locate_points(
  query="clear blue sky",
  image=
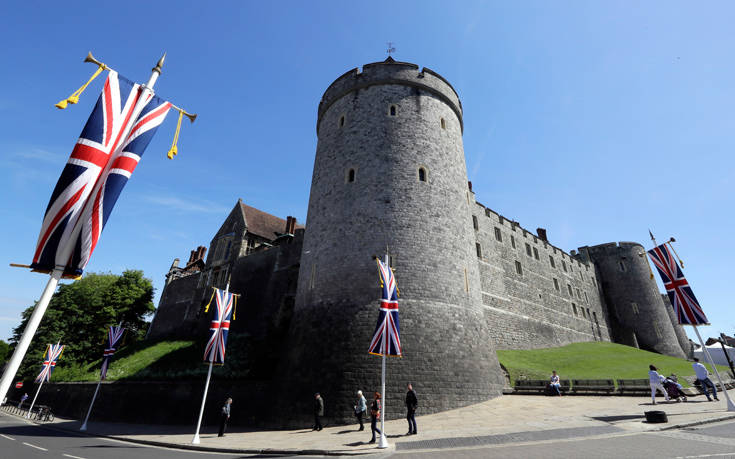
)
(595, 120)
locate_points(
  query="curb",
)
(695, 423)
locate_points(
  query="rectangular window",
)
(564, 265)
(551, 260)
(227, 250)
(589, 316)
(479, 250)
(571, 267)
(581, 276)
(574, 309)
(579, 294)
(594, 314)
(556, 284)
(594, 282)
(586, 298)
(535, 253)
(634, 306)
(513, 242)
(475, 224)
(498, 236)
(570, 290)
(622, 266)
(528, 249)
(583, 314)
(519, 268)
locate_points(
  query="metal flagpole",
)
(64, 255)
(28, 415)
(89, 411)
(730, 406)
(383, 442)
(196, 440)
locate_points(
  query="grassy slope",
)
(596, 360)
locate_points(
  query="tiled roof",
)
(263, 224)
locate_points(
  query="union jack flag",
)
(387, 336)
(113, 336)
(686, 307)
(112, 142)
(219, 327)
(52, 354)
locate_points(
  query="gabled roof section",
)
(260, 223)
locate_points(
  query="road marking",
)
(72, 457)
(34, 446)
(5, 436)
(705, 455)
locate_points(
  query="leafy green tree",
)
(4, 351)
(80, 313)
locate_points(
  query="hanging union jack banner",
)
(113, 336)
(112, 142)
(53, 352)
(686, 307)
(387, 336)
(219, 327)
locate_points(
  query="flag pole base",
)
(195, 440)
(730, 405)
(83, 428)
(383, 442)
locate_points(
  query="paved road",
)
(712, 441)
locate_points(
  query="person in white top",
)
(703, 378)
(656, 380)
(554, 383)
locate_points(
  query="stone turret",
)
(390, 172)
(637, 313)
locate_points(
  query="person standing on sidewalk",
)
(655, 380)
(703, 378)
(23, 399)
(318, 411)
(411, 404)
(374, 415)
(224, 417)
(360, 408)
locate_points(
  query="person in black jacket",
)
(411, 404)
(374, 415)
(318, 411)
(224, 417)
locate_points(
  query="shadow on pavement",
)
(618, 418)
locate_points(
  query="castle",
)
(390, 172)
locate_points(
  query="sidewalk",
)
(508, 419)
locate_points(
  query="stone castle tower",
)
(390, 172)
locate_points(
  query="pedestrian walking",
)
(656, 381)
(360, 408)
(374, 415)
(224, 417)
(23, 399)
(411, 404)
(318, 411)
(703, 378)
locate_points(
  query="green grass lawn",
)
(596, 360)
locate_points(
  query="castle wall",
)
(176, 315)
(528, 310)
(681, 335)
(448, 353)
(632, 296)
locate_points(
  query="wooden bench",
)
(634, 386)
(593, 385)
(538, 386)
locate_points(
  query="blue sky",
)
(595, 120)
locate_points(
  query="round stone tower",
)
(390, 173)
(637, 313)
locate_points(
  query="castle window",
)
(498, 235)
(528, 249)
(564, 265)
(422, 174)
(519, 268)
(589, 316)
(579, 295)
(571, 267)
(443, 123)
(475, 225)
(227, 250)
(341, 121)
(393, 109)
(535, 253)
(586, 298)
(513, 242)
(551, 260)
(478, 248)
(569, 287)
(556, 284)
(574, 309)
(634, 306)
(594, 282)
(350, 177)
(622, 266)
(583, 314)
(594, 314)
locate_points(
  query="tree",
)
(4, 351)
(80, 313)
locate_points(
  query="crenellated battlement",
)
(390, 72)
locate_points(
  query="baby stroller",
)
(673, 388)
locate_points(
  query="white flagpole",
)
(63, 254)
(196, 440)
(383, 443)
(730, 406)
(28, 415)
(89, 411)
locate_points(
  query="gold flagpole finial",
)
(159, 64)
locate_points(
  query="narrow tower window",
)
(519, 268)
(475, 224)
(341, 121)
(479, 250)
(551, 260)
(350, 176)
(392, 110)
(444, 123)
(513, 242)
(535, 253)
(498, 235)
(422, 174)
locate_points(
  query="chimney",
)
(469, 184)
(290, 224)
(542, 234)
(175, 264)
(192, 256)
(201, 250)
